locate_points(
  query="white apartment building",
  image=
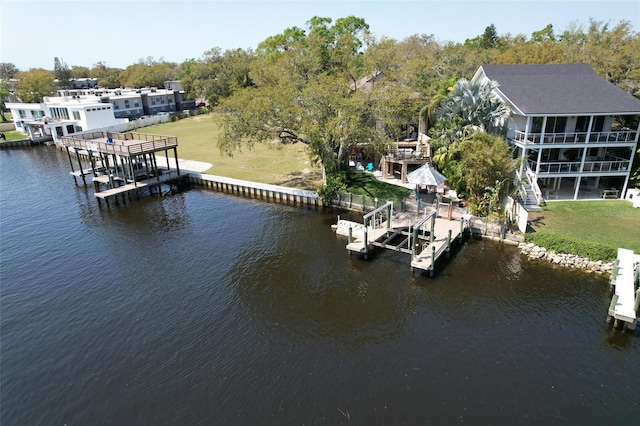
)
(61, 116)
(78, 110)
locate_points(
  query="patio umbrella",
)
(426, 175)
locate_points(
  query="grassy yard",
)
(610, 223)
(367, 184)
(12, 135)
(278, 164)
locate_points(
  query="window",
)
(22, 113)
(556, 124)
(136, 104)
(76, 115)
(536, 125)
(598, 124)
(59, 113)
(116, 107)
(582, 123)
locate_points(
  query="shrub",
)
(335, 182)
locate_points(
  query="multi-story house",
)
(62, 116)
(569, 127)
(80, 109)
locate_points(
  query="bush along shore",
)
(534, 252)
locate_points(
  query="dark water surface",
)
(203, 308)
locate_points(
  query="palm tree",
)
(427, 117)
(472, 107)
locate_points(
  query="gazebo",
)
(426, 175)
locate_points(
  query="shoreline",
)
(567, 260)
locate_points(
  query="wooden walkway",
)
(626, 299)
(445, 232)
(373, 234)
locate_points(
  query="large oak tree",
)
(307, 88)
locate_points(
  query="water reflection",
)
(215, 309)
(620, 339)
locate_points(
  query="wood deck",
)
(121, 190)
(123, 144)
(624, 298)
(373, 234)
(442, 228)
(445, 232)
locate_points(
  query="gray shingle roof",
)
(560, 89)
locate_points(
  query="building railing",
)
(96, 141)
(574, 166)
(623, 136)
(533, 182)
(404, 154)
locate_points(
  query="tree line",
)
(334, 85)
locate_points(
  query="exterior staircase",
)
(528, 198)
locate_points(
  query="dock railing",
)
(97, 142)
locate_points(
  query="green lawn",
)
(610, 223)
(12, 135)
(276, 163)
(367, 184)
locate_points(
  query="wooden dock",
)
(131, 187)
(122, 164)
(425, 240)
(445, 232)
(625, 301)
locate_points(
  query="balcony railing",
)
(623, 136)
(404, 154)
(558, 167)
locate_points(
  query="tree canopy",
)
(306, 89)
(217, 75)
(377, 85)
(8, 70)
(62, 73)
(5, 92)
(35, 84)
(149, 73)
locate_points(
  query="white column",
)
(577, 187)
(538, 163)
(626, 179)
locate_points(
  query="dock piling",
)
(433, 260)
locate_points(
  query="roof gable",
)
(549, 89)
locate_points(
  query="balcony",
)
(573, 167)
(622, 136)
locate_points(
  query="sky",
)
(120, 33)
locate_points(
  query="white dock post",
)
(433, 226)
(366, 241)
(433, 260)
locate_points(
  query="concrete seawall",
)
(268, 192)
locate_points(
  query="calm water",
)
(203, 308)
